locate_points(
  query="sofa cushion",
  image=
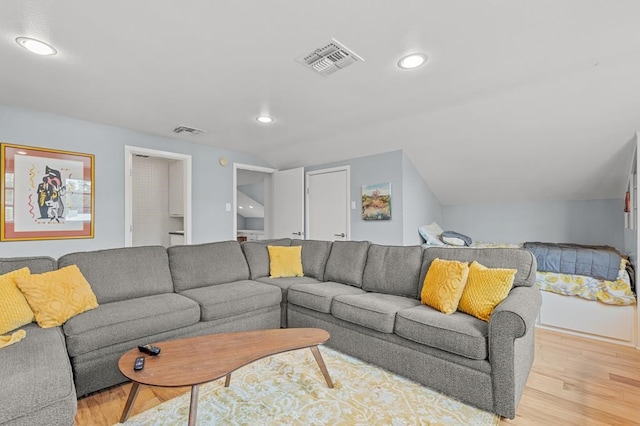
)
(230, 299)
(457, 333)
(14, 309)
(346, 262)
(201, 265)
(285, 283)
(257, 255)
(393, 270)
(123, 273)
(314, 257)
(319, 296)
(126, 320)
(36, 264)
(485, 289)
(444, 284)
(512, 258)
(37, 381)
(372, 310)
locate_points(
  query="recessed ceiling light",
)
(264, 119)
(36, 46)
(411, 61)
(240, 207)
(250, 207)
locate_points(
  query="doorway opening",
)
(252, 202)
(157, 197)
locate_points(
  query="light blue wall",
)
(254, 223)
(421, 206)
(368, 170)
(599, 222)
(210, 220)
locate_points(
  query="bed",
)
(605, 309)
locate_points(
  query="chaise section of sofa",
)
(35, 374)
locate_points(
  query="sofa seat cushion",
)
(285, 283)
(372, 310)
(126, 320)
(457, 333)
(319, 297)
(230, 299)
(37, 381)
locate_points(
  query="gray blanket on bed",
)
(602, 262)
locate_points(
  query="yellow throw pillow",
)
(14, 309)
(58, 295)
(285, 261)
(485, 289)
(444, 284)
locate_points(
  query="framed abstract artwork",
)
(46, 194)
(376, 201)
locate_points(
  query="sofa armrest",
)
(511, 346)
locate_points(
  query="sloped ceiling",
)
(520, 100)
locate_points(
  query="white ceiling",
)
(521, 100)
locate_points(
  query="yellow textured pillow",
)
(285, 261)
(444, 284)
(14, 309)
(58, 295)
(485, 289)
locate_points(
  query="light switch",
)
(228, 207)
(353, 205)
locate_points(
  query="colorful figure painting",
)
(50, 192)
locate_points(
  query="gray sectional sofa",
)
(365, 295)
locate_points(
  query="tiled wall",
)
(150, 201)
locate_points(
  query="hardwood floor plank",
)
(573, 381)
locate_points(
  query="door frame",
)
(348, 203)
(268, 207)
(129, 152)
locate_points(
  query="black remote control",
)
(148, 349)
(139, 364)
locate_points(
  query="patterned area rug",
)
(288, 389)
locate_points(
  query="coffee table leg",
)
(193, 408)
(227, 380)
(133, 393)
(318, 356)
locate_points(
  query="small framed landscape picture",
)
(46, 194)
(376, 201)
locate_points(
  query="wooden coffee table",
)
(197, 360)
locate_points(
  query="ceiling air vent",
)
(189, 130)
(329, 58)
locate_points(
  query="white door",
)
(288, 204)
(328, 205)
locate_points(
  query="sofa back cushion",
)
(393, 270)
(202, 265)
(314, 257)
(36, 264)
(346, 262)
(123, 273)
(509, 258)
(257, 255)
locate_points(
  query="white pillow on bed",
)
(431, 234)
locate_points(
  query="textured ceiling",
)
(520, 100)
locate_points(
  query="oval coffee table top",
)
(197, 360)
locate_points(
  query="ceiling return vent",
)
(188, 130)
(329, 58)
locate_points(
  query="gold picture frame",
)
(47, 194)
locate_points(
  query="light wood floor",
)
(574, 381)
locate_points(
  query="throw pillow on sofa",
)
(444, 284)
(285, 261)
(14, 309)
(485, 289)
(58, 295)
